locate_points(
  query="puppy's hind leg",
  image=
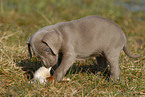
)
(101, 64)
(113, 58)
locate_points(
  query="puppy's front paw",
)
(41, 74)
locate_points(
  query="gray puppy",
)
(91, 36)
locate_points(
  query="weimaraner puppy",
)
(91, 36)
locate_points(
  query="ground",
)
(19, 19)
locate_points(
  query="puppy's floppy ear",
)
(53, 40)
(29, 45)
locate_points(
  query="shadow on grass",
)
(31, 65)
(90, 68)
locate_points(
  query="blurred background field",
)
(19, 19)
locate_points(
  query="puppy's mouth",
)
(46, 64)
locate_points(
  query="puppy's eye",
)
(48, 50)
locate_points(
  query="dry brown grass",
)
(20, 19)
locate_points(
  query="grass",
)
(19, 19)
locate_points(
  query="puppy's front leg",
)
(66, 63)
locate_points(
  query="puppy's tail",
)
(125, 49)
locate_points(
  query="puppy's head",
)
(46, 45)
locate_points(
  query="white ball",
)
(41, 74)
